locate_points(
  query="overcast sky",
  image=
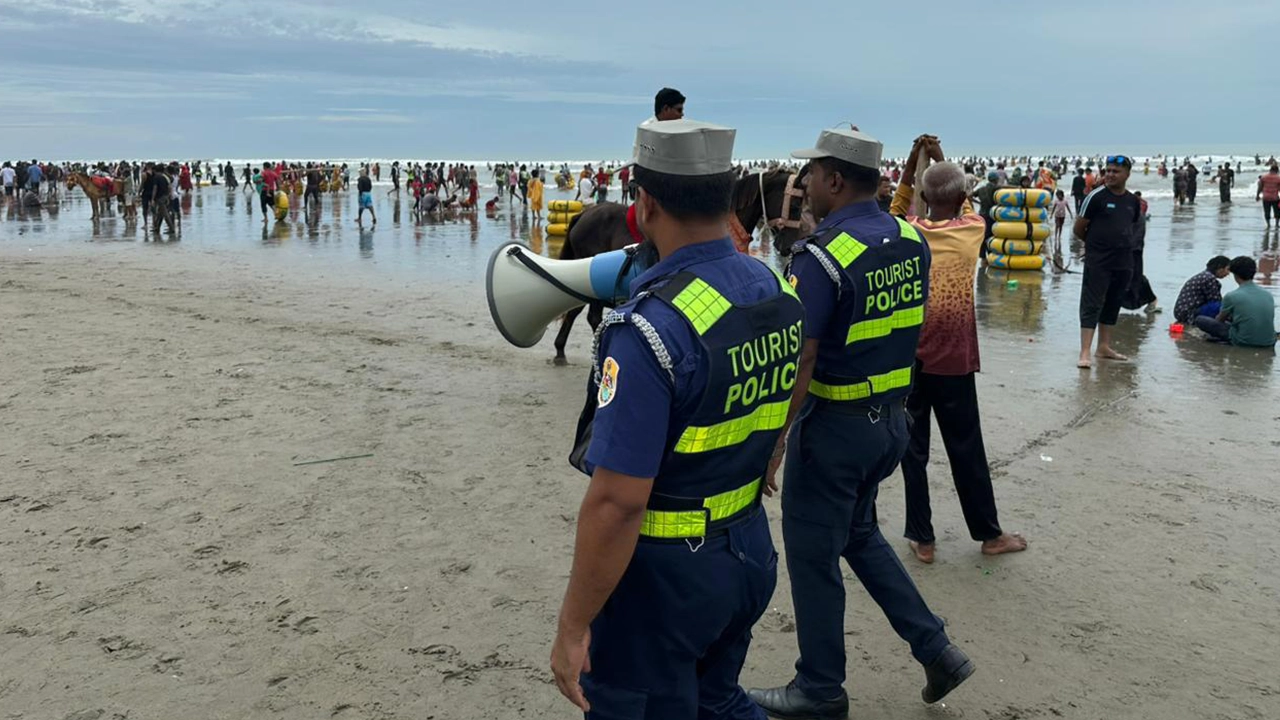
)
(87, 79)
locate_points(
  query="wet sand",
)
(163, 556)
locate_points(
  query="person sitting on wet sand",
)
(1202, 293)
(492, 205)
(1248, 314)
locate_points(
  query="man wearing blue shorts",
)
(365, 187)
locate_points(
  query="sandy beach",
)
(162, 554)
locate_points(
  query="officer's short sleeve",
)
(816, 292)
(633, 406)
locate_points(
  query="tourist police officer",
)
(863, 277)
(674, 562)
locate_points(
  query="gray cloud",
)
(511, 79)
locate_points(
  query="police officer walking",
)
(863, 277)
(674, 562)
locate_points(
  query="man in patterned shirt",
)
(1202, 294)
(947, 361)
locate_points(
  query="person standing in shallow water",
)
(1269, 194)
(535, 195)
(364, 186)
(1061, 211)
(1107, 221)
(1140, 294)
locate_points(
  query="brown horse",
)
(603, 227)
(99, 198)
(599, 228)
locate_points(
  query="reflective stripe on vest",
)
(878, 328)
(845, 249)
(676, 524)
(873, 385)
(701, 304)
(766, 416)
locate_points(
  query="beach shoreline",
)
(165, 553)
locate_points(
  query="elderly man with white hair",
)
(947, 360)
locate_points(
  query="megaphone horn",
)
(527, 292)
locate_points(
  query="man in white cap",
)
(863, 277)
(673, 562)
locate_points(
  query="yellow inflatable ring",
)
(1016, 262)
(561, 217)
(1019, 197)
(1019, 231)
(1002, 246)
(1005, 213)
(564, 206)
(558, 229)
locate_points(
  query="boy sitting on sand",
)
(1248, 315)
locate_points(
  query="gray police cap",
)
(684, 147)
(848, 145)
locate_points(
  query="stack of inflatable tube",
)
(559, 215)
(1021, 224)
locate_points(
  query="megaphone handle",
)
(540, 272)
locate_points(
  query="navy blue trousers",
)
(670, 642)
(837, 455)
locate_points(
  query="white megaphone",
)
(527, 291)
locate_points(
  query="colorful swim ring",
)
(1005, 213)
(1016, 262)
(1020, 197)
(281, 205)
(1002, 246)
(564, 206)
(1019, 231)
(558, 229)
(561, 217)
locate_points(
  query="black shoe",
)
(790, 703)
(945, 674)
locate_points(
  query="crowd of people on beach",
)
(437, 188)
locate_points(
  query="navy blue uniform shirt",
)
(825, 317)
(644, 414)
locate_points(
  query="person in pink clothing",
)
(1269, 194)
(1061, 211)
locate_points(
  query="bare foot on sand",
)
(1109, 354)
(1084, 363)
(1006, 543)
(922, 551)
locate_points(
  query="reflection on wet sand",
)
(1212, 363)
(1011, 300)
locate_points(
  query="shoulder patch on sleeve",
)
(794, 280)
(608, 382)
